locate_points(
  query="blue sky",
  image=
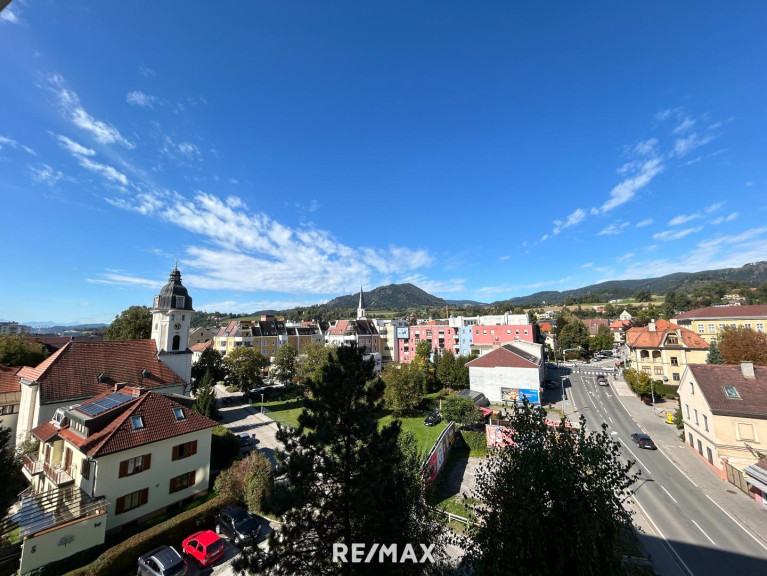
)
(289, 152)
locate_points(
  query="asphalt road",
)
(697, 536)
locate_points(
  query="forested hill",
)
(750, 274)
(391, 297)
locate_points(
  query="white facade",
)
(490, 381)
(489, 320)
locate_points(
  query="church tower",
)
(361, 307)
(171, 318)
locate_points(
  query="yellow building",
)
(724, 408)
(663, 350)
(708, 322)
(265, 335)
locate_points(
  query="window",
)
(759, 327)
(178, 413)
(711, 328)
(674, 361)
(131, 501)
(516, 332)
(700, 329)
(691, 442)
(747, 325)
(705, 422)
(7, 409)
(137, 422)
(710, 455)
(721, 327)
(180, 301)
(687, 407)
(696, 416)
(692, 388)
(176, 342)
(731, 392)
(675, 377)
(135, 465)
(508, 331)
(492, 331)
(85, 469)
(525, 332)
(673, 340)
(184, 481)
(658, 370)
(185, 450)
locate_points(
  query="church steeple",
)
(171, 318)
(361, 306)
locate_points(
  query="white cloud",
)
(11, 143)
(9, 15)
(627, 189)
(181, 150)
(714, 207)
(490, 292)
(613, 229)
(264, 252)
(234, 181)
(645, 222)
(668, 235)
(146, 71)
(544, 238)
(70, 107)
(125, 280)
(683, 146)
(73, 147)
(728, 218)
(684, 126)
(647, 147)
(627, 256)
(139, 98)
(666, 114)
(682, 219)
(84, 157)
(587, 265)
(749, 183)
(574, 218)
(450, 286)
(44, 174)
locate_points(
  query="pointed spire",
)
(361, 306)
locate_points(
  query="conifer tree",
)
(206, 398)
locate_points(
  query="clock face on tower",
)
(177, 326)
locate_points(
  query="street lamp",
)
(262, 403)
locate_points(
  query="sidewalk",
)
(653, 421)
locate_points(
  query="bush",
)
(121, 559)
(248, 482)
(475, 440)
(224, 448)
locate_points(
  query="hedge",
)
(476, 441)
(121, 559)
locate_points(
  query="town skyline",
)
(288, 155)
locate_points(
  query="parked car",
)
(551, 385)
(162, 561)
(602, 380)
(204, 546)
(227, 400)
(238, 525)
(246, 442)
(643, 441)
(432, 419)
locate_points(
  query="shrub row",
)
(121, 559)
(476, 441)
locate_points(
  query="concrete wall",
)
(62, 541)
(489, 381)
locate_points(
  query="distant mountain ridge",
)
(391, 297)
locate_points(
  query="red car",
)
(205, 546)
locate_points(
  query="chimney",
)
(747, 369)
(651, 326)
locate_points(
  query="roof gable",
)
(643, 337)
(505, 356)
(9, 379)
(712, 379)
(749, 311)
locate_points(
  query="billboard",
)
(402, 333)
(514, 395)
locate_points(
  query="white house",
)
(509, 372)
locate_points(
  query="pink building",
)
(441, 336)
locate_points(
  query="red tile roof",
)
(752, 311)
(545, 326)
(643, 337)
(9, 379)
(72, 371)
(502, 357)
(712, 378)
(201, 346)
(593, 325)
(160, 424)
(45, 431)
(620, 324)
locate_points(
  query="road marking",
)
(669, 495)
(611, 420)
(638, 460)
(701, 529)
(663, 538)
(746, 530)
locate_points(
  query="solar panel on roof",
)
(103, 404)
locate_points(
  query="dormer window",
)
(178, 413)
(731, 392)
(137, 422)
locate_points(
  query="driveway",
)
(242, 417)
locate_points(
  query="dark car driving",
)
(433, 419)
(238, 525)
(643, 441)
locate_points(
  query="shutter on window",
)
(172, 486)
(175, 453)
(120, 505)
(143, 496)
(192, 477)
(86, 469)
(147, 461)
(193, 448)
(123, 469)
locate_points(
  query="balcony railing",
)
(32, 464)
(57, 475)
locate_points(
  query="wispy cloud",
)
(683, 146)
(574, 218)
(684, 218)
(723, 219)
(180, 150)
(669, 235)
(44, 174)
(749, 183)
(647, 147)
(587, 265)
(613, 229)
(645, 222)
(11, 143)
(265, 252)
(69, 106)
(117, 279)
(627, 189)
(146, 71)
(84, 157)
(141, 99)
(9, 15)
(625, 257)
(490, 292)
(684, 126)
(73, 147)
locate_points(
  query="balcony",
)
(57, 475)
(32, 465)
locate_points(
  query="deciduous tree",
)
(311, 360)
(460, 409)
(10, 463)
(16, 351)
(244, 368)
(284, 365)
(573, 335)
(404, 383)
(743, 344)
(135, 323)
(210, 361)
(575, 523)
(248, 482)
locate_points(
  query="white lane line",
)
(669, 495)
(746, 530)
(637, 459)
(611, 420)
(663, 538)
(701, 529)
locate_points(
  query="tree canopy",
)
(574, 522)
(573, 335)
(135, 323)
(743, 344)
(460, 409)
(211, 361)
(350, 481)
(205, 403)
(310, 362)
(244, 368)
(16, 351)
(404, 383)
(10, 463)
(284, 364)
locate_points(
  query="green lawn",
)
(283, 411)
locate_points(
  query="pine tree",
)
(206, 398)
(350, 481)
(714, 355)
